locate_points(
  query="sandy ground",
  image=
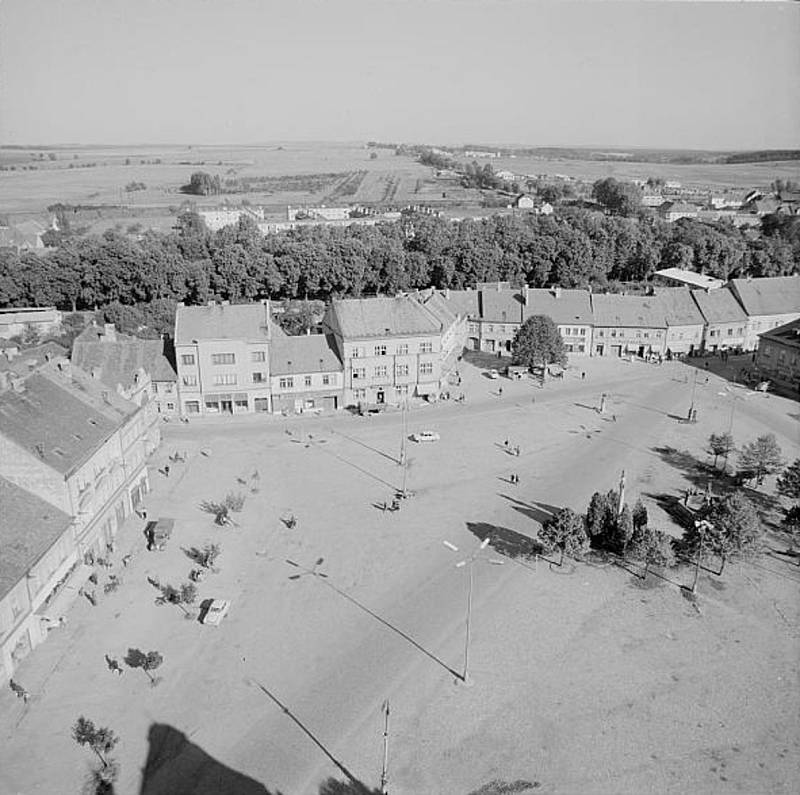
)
(581, 679)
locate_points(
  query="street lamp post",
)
(385, 768)
(470, 563)
(694, 389)
(703, 525)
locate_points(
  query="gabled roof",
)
(433, 301)
(116, 362)
(381, 317)
(678, 306)
(246, 322)
(562, 306)
(719, 306)
(628, 311)
(787, 334)
(29, 526)
(306, 353)
(52, 424)
(461, 302)
(771, 295)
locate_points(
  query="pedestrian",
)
(583, 376)
(143, 514)
(126, 560)
(505, 444)
(613, 417)
(113, 665)
(166, 470)
(516, 450)
(500, 392)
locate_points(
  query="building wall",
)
(724, 336)
(577, 339)
(779, 363)
(684, 339)
(298, 392)
(619, 341)
(17, 632)
(43, 320)
(165, 397)
(758, 324)
(201, 378)
(410, 365)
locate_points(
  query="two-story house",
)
(390, 348)
(628, 325)
(453, 319)
(769, 302)
(725, 320)
(570, 310)
(684, 320)
(37, 549)
(306, 373)
(222, 355)
(778, 357)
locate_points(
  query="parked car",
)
(493, 374)
(425, 436)
(212, 611)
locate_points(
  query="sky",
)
(538, 72)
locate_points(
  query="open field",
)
(352, 176)
(583, 680)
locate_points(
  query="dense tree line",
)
(574, 248)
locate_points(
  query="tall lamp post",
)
(694, 389)
(703, 525)
(470, 564)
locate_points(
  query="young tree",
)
(622, 531)
(601, 518)
(188, 595)
(639, 516)
(147, 662)
(652, 546)
(566, 531)
(761, 458)
(99, 738)
(209, 555)
(719, 444)
(538, 342)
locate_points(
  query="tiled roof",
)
(29, 526)
(27, 360)
(628, 311)
(561, 306)
(502, 306)
(773, 295)
(117, 362)
(222, 322)
(381, 317)
(437, 306)
(679, 308)
(719, 306)
(308, 353)
(788, 334)
(462, 302)
(52, 424)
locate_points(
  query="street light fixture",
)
(703, 525)
(470, 563)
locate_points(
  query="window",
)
(380, 350)
(581, 348)
(613, 332)
(187, 358)
(170, 407)
(582, 332)
(401, 369)
(426, 368)
(226, 379)
(380, 372)
(223, 358)
(427, 347)
(739, 330)
(326, 379)
(601, 333)
(258, 378)
(359, 372)
(713, 333)
(646, 335)
(357, 353)
(307, 380)
(360, 394)
(402, 350)
(192, 406)
(730, 332)
(190, 380)
(490, 327)
(258, 356)
(286, 383)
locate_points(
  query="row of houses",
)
(73, 453)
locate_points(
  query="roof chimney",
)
(109, 333)
(556, 292)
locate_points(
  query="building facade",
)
(628, 325)
(769, 302)
(222, 356)
(778, 357)
(390, 349)
(725, 322)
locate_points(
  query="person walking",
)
(113, 665)
(166, 470)
(500, 391)
(583, 376)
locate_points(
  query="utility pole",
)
(621, 503)
(385, 769)
(694, 387)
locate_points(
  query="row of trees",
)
(575, 249)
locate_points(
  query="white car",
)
(493, 374)
(425, 436)
(213, 611)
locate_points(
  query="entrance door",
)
(616, 350)
(380, 397)
(227, 406)
(598, 349)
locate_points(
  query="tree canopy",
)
(538, 343)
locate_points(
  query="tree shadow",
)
(176, 766)
(497, 787)
(506, 541)
(540, 512)
(333, 786)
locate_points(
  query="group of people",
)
(515, 451)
